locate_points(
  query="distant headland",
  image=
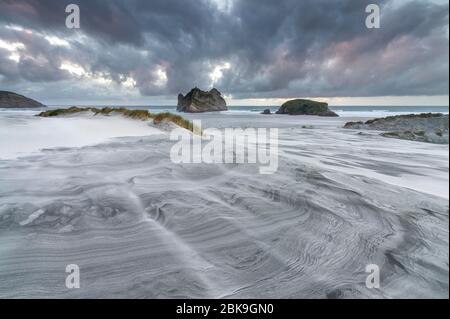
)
(14, 100)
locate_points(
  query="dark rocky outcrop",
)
(197, 101)
(306, 107)
(266, 112)
(13, 100)
(328, 114)
(427, 127)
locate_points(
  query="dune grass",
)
(143, 115)
(178, 120)
(60, 112)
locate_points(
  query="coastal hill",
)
(198, 101)
(13, 100)
(306, 107)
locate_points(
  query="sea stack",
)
(13, 100)
(306, 107)
(198, 101)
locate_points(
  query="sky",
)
(256, 52)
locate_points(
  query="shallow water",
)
(140, 226)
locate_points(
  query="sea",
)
(342, 111)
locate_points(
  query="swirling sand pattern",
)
(140, 226)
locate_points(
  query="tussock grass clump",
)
(134, 114)
(59, 112)
(143, 115)
(176, 119)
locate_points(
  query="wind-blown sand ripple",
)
(140, 226)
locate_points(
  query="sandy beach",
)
(140, 226)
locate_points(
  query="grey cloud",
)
(275, 48)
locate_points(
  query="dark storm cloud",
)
(110, 20)
(274, 48)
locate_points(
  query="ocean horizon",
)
(350, 111)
